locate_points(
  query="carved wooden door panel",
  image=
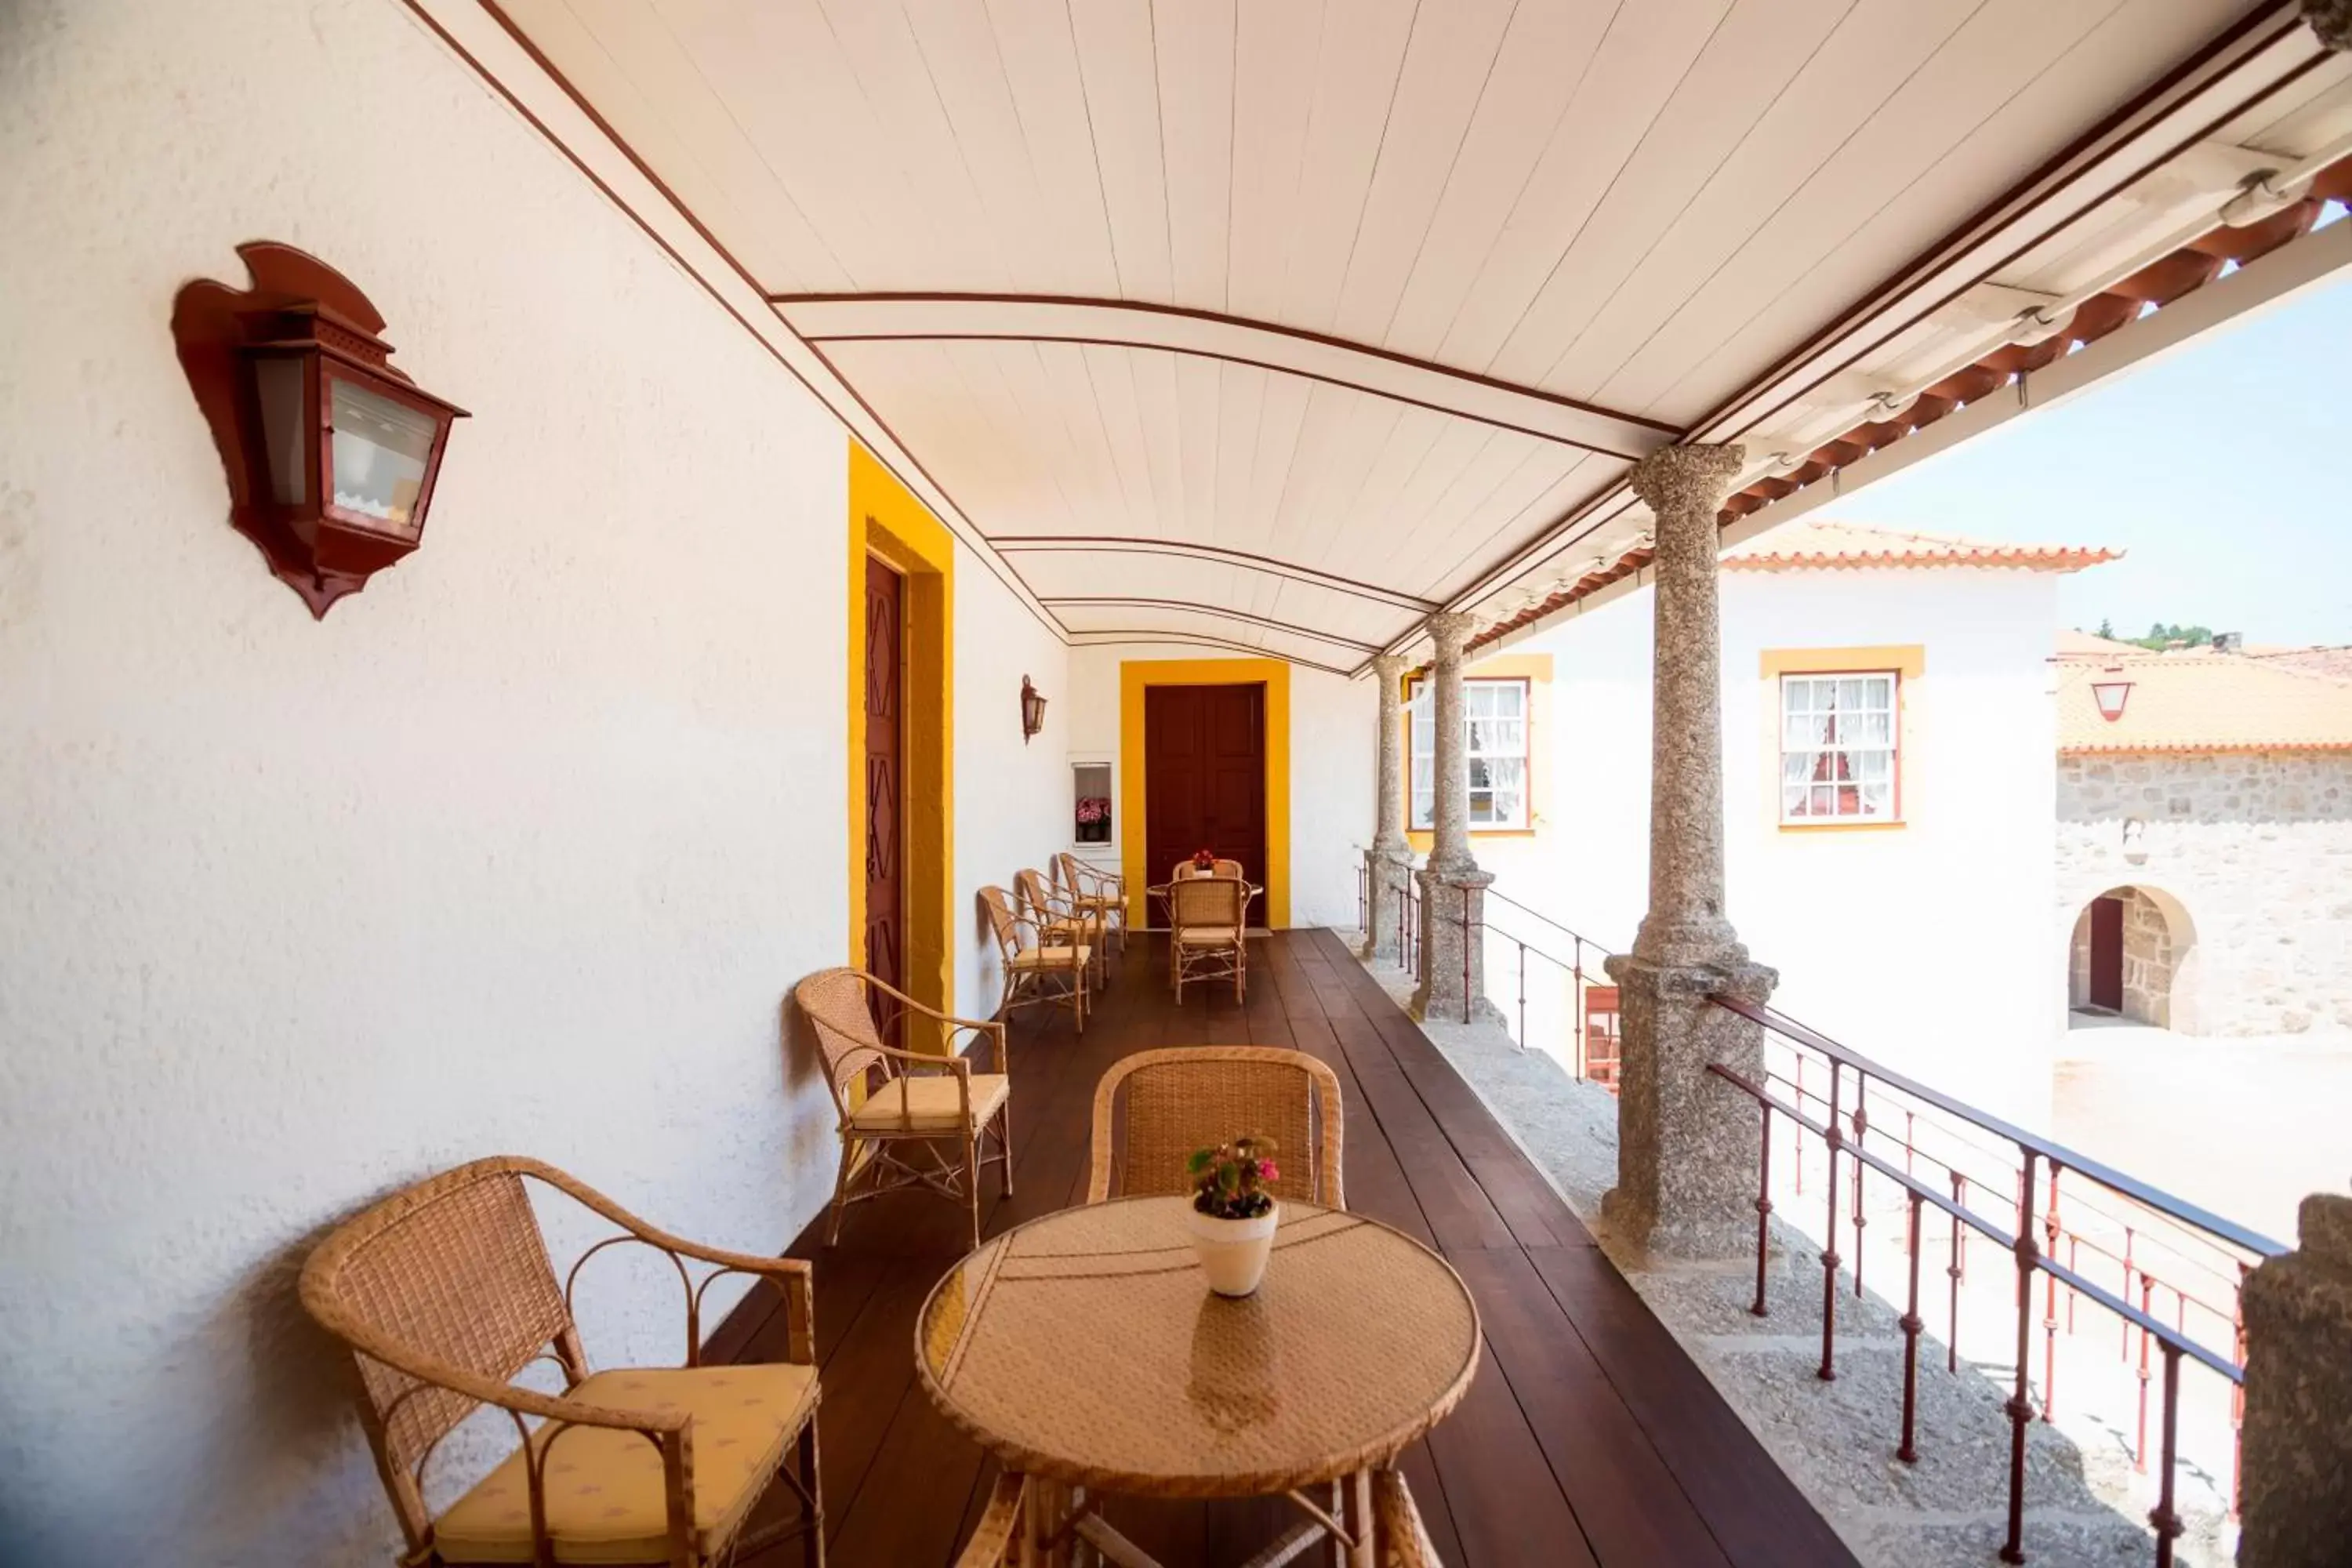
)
(886, 839)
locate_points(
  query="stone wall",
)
(2241, 866)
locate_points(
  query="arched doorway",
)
(2133, 957)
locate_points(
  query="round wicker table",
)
(1085, 1351)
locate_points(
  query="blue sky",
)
(2224, 468)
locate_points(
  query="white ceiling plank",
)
(1197, 396)
(789, 84)
(1508, 472)
(1348, 117)
(1109, 373)
(958, 43)
(1278, 47)
(621, 56)
(1336, 496)
(1193, 48)
(1062, 369)
(1538, 81)
(1825, 102)
(1980, 105)
(1241, 402)
(1154, 374)
(917, 139)
(1282, 410)
(1748, 65)
(1040, 62)
(1533, 496)
(1449, 55)
(1121, 80)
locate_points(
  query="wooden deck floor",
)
(1589, 1437)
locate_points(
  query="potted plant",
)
(1234, 1216)
(1204, 861)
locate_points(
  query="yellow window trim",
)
(1535, 668)
(1137, 676)
(1909, 663)
(889, 523)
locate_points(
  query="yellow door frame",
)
(888, 523)
(1137, 676)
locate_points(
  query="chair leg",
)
(1004, 1145)
(813, 1540)
(972, 1181)
(841, 1190)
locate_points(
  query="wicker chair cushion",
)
(1049, 957)
(605, 1495)
(930, 1102)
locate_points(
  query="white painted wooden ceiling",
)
(1225, 317)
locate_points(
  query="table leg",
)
(1360, 1520)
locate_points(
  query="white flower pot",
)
(1233, 1252)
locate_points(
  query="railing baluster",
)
(1909, 1452)
(1576, 1000)
(2146, 1307)
(1955, 1271)
(2163, 1515)
(1466, 955)
(1763, 1211)
(1523, 996)
(1835, 1138)
(2020, 1405)
(2049, 1302)
(1861, 1130)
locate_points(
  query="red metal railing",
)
(2127, 1228)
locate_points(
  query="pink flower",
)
(1266, 1171)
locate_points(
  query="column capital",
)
(2332, 20)
(1449, 630)
(1673, 480)
(1388, 668)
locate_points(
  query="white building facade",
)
(1889, 779)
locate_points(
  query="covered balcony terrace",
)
(1588, 1435)
(527, 527)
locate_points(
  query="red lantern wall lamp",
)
(331, 453)
(1032, 710)
(2111, 695)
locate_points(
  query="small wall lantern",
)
(2111, 695)
(331, 453)
(1032, 710)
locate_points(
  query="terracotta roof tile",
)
(1826, 543)
(2202, 701)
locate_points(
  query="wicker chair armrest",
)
(917, 1060)
(1115, 880)
(794, 1277)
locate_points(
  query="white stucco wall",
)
(1930, 947)
(1012, 805)
(1332, 720)
(518, 850)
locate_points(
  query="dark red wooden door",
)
(886, 726)
(2107, 954)
(1204, 778)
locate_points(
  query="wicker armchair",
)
(1061, 921)
(910, 1099)
(1186, 868)
(1035, 970)
(1190, 1097)
(1103, 893)
(444, 1292)
(1208, 932)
